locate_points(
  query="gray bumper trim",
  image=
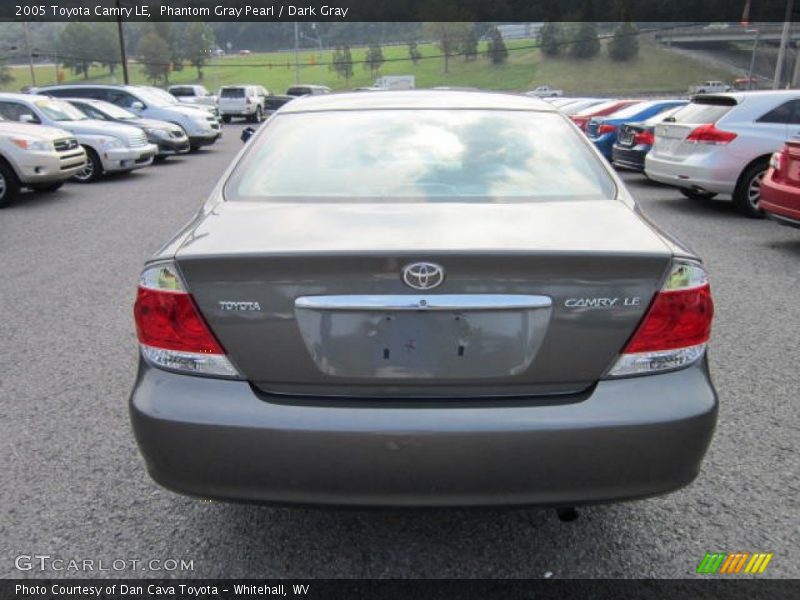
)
(624, 439)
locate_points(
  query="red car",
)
(581, 119)
(780, 188)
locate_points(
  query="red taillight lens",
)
(676, 319)
(605, 128)
(709, 134)
(170, 321)
(644, 137)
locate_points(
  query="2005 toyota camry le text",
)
(437, 298)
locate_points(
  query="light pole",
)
(296, 57)
(752, 61)
(30, 54)
(122, 55)
(776, 82)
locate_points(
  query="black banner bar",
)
(744, 588)
(394, 10)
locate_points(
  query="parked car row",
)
(731, 143)
(81, 132)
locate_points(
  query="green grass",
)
(655, 70)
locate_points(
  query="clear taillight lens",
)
(776, 161)
(674, 331)
(172, 333)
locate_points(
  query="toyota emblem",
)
(423, 275)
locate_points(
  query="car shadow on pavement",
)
(480, 542)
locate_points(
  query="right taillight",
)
(709, 134)
(644, 138)
(674, 331)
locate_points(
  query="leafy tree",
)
(104, 45)
(342, 62)
(449, 36)
(72, 47)
(550, 39)
(374, 59)
(199, 45)
(625, 43)
(496, 50)
(470, 46)
(413, 53)
(585, 43)
(154, 55)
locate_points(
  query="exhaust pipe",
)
(568, 514)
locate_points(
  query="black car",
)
(171, 139)
(634, 141)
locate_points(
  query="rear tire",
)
(695, 195)
(257, 116)
(747, 195)
(46, 188)
(226, 118)
(9, 185)
(93, 169)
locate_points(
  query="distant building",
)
(516, 31)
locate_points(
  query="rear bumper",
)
(706, 172)
(623, 439)
(780, 201)
(629, 158)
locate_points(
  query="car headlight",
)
(110, 143)
(159, 133)
(32, 144)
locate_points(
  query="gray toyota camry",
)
(423, 298)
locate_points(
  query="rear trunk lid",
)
(670, 135)
(232, 100)
(537, 298)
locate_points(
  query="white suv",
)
(248, 101)
(41, 158)
(722, 143)
(110, 147)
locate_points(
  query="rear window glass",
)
(703, 111)
(232, 93)
(420, 156)
(180, 92)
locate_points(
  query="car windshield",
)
(590, 110)
(59, 110)
(155, 97)
(420, 156)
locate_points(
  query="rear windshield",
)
(703, 110)
(232, 93)
(419, 156)
(180, 92)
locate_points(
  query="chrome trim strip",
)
(424, 302)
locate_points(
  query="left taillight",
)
(676, 327)
(606, 128)
(172, 333)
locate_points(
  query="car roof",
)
(739, 97)
(417, 99)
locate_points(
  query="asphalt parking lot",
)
(73, 484)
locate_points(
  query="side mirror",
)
(27, 118)
(247, 133)
(137, 105)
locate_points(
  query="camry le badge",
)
(423, 275)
